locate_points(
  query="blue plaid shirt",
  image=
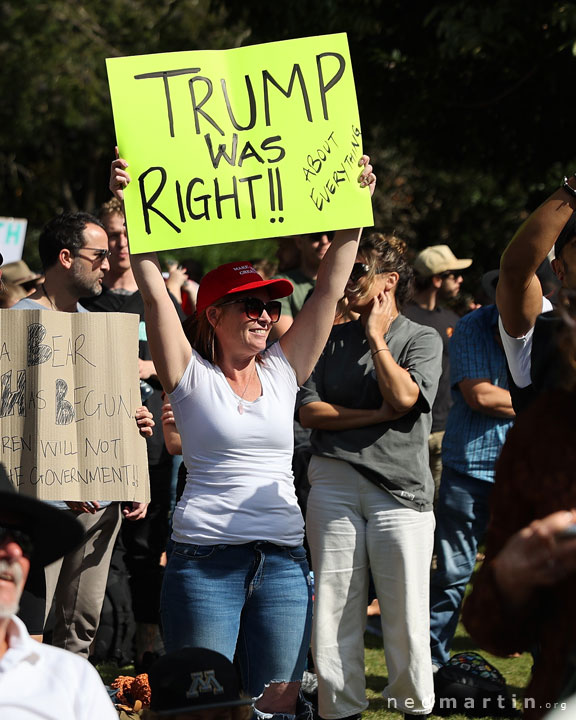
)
(473, 439)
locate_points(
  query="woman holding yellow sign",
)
(237, 580)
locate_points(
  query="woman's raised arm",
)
(169, 346)
(305, 339)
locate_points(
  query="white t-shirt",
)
(41, 682)
(239, 486)
(519, 351)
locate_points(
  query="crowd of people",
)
(332, 414)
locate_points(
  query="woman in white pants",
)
(370, 505)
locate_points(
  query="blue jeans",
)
(254, 600)
(462, 515)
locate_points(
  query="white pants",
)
(354, 527)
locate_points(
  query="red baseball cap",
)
(237, 277)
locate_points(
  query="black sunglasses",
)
(316, 237)
(359, 270)
(254, 307)
(20, 537)
(99, 256)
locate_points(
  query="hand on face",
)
(381, 314)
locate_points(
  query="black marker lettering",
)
(296, 72)
(64, 409)
(231, 196)
(37, 353)
(179, 201)
(317, 201)
(165, 74)
(197, 107)
(148, 204)
(324, 88)
(279, 186)
(247, 153)
(250, 180)
(266, 145)
(251, 100)
(8, 398)
(215, 159)
(201, 198)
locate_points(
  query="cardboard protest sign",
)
(239, 144)
(12, 236)
(69, 389)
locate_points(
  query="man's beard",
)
(84, 286)
(13, 569)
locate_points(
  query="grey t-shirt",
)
(394, 455)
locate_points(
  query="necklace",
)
(392, 318)
(48, 296)
(240, 405)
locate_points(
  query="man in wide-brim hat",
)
(38, 680)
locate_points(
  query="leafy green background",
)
(466, 107)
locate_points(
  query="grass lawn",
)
(515, 670)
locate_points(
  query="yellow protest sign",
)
(69, 389)
(239, 144)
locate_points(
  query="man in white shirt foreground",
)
(36, 680)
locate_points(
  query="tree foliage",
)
(465, 107)
(57, 133)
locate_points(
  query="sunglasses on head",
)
(10, 534)
(359, 270)
(254, 307)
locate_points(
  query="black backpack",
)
(469, 685)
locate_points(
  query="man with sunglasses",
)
(74, 253)
(73, 248)
(39, 681)
(437, 279)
